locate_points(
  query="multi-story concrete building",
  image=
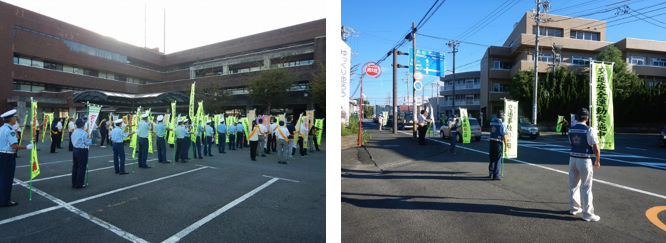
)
(61, 65)
(580, 41)
(468, 93)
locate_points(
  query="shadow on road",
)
(407, 202)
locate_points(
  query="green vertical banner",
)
(601, 102)
(135, 137)
(385, 115)
(466, 131)
(511, 122)
(64, 128)
(559, 123)
(150, 133)
(246, 126)
(172, 124)
(319, 123)
(191, 111)
(25, 121)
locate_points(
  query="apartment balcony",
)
(461, 89)
(644, 70)
(469, 104)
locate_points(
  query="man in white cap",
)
(117, 137)
(8, 143)
(143, 132)
(208, 146)
(179, 140)
(160, 130)
(221, 136)
(81, 143)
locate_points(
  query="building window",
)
(659, 62)
(16, 60)
(501, 88)
(502, 65)
(543, 57)
(25, 61)
(545, 31)
(584, 35)
(53, 65)
(90, 72)
(634, 60)
(581, 61)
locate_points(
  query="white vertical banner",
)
(601, 103)
(345, 74)
(511, 121)
(93, 113)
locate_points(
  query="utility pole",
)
(395, 87)
(414, 76)
(454, 48)
(537, 18)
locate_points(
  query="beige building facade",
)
(580, 41)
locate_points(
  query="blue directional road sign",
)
(427, 62)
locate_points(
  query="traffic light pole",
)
(414, 78)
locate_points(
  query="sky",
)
(379, 25)
(189, 24)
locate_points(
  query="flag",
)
(252, 115)
(93, 112)
(601, 102)
(319, 123)
(466, 131)
(150, 134)
(246, 126)
(172, 124)
(64, 128)
(385, 115)
(25, 120)
(34, 164)
(135, 137)
(559, 123)
(48, 120)
(511, 121)
(191, 113)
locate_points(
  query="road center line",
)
(178, 236)
(564, 172)
(126, 235)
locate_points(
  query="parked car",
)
(401, 125)
(526, 129)
(473, 125)
(662, 139)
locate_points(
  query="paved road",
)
(423, 194)
(224, 198)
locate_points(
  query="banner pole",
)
(87, 178)
(32, 135)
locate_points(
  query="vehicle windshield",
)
(525, 122)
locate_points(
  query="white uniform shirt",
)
(59, 126)
(284, 130)
(16, 127)
(273, 128)
(422, 120)
(263, 129)
(71, 126)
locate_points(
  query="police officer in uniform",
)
(498, 132)
(197, 143)
(221, 137)
(232, 136)
(208, 146)
(240, 130)
(143, 132)
(584, 143)
(160, 131)
(81, 142)
(117, 137)
(187, 141)
(8, 143)
(179, 140)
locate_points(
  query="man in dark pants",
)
(240, 130)
(453, 133)
(292, 131)
(197, 143)
(423, 126)
(232, 136)
(81, 142)
(8, 144)
(221, 137)
(104, 131)
(160, 131)
(117, 136)
(497, 139)
(178, 132)
(272, 142)
(254, 140)
(71, 127)
(143, 132)
(56, 134)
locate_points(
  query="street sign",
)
(428, 62)
(418, 76)
(373, 70)
(418, 85)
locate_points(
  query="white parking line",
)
(127, 235)
(567, 173)
(24, 184)
(58, 176)
(178, 236)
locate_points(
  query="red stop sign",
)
(372, 70)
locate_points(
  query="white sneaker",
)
(102, 146)
(575, 212)
(594, 218)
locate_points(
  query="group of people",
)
(277, 137)
(584, 146)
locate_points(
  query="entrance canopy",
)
(130, 100)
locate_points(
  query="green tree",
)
(210, 90)
(270, 88)
(318, 85)
(368, 110)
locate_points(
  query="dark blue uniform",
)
(496, 152)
